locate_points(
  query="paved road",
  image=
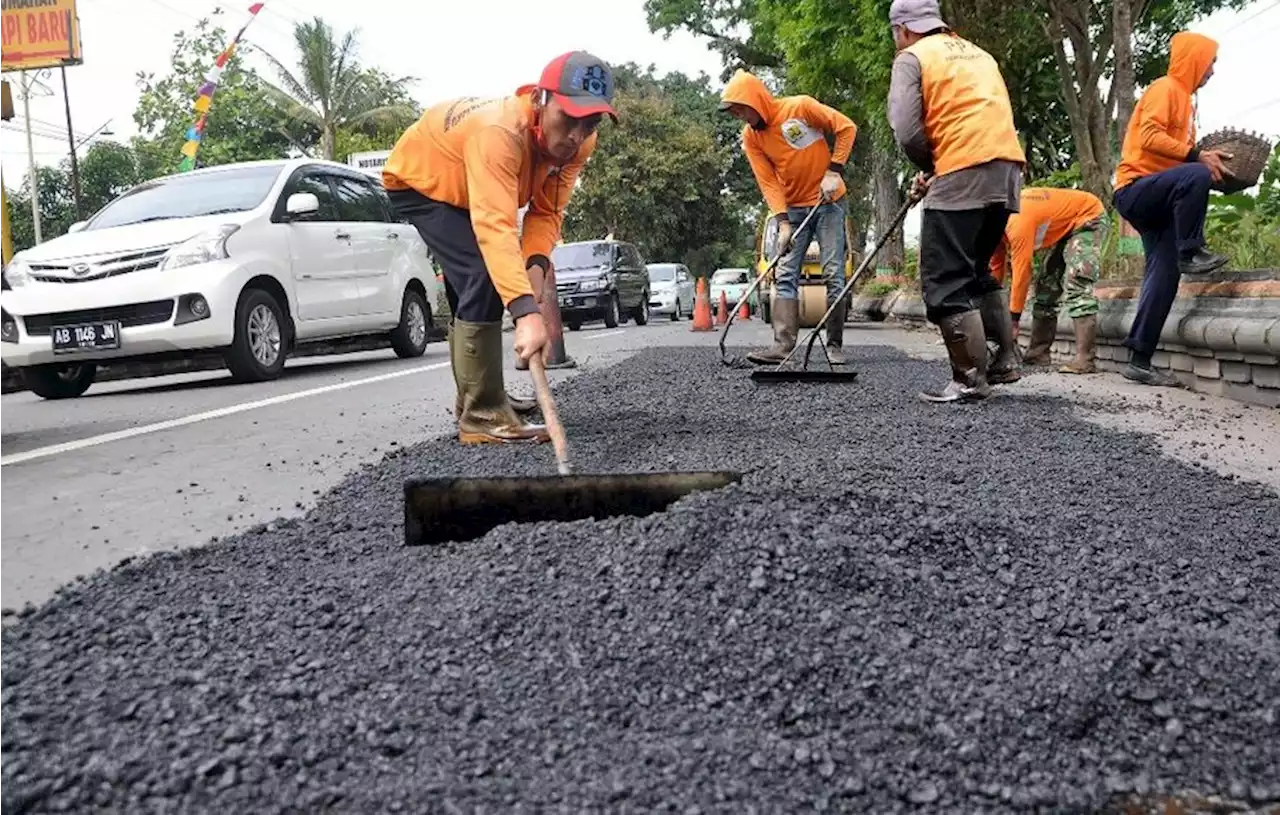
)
(154, 464)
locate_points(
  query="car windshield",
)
(235, 189)
(729, 276)
(662, 272)
(580, 255)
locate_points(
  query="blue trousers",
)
(828, 226)
(1168, 210)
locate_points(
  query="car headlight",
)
(17, 273)
(203, 248)
(595, 285)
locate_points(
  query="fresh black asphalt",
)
(902, 607)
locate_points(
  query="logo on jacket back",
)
(799, 134)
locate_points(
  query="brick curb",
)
(1222, 335)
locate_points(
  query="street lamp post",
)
(31, 156)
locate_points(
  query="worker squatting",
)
(462, 172)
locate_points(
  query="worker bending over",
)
(1162, 188)
(460, 174)
(1074, 224)
(785, 142)
(950, 113)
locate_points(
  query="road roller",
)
(813, 291)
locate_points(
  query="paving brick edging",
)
(1222, 336)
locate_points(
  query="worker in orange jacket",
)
(950, 113)
(460, 175)
(1074, 224)
(1162, 188)
(784, 139)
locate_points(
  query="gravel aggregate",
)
(903, 607)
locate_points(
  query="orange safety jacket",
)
(479, 155)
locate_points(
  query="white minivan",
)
(247, 260)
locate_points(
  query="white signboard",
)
(370, 162)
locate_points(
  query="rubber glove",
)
(830, 183)
(784, 234)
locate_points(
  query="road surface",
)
(154, 464)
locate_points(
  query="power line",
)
(1253, 16)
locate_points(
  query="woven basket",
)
(1249, 154)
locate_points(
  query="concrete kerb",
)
(1222, 335)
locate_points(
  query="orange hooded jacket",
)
(789, 153)
(1162, 130)
(1047, 216)
(479, 155)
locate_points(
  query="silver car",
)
(670, 289)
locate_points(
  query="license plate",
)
(86, 337)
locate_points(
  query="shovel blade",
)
(765, 375)
(438, 510)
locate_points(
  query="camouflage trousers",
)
(1068, 274)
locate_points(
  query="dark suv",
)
(601, 280)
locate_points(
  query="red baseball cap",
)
(581, 83)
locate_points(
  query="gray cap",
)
(920, 16)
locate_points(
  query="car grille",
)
(97, 268)
(566, 288)
(134, 314)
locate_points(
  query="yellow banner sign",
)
(40, 34)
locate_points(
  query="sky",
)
(487, 47)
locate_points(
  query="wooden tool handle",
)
(548, 406)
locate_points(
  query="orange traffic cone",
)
(722, 313)
(702, 308)
(744, 311)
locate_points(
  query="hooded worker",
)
(1073, 225)
(1162, 189)
(460, 175)
(950, 113)
(785, 142)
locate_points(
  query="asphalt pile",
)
(902, 607)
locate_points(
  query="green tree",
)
(106, 170)
(659, 179)
(1056, 56)
(332, 91)
(242, 125)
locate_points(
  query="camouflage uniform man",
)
(1074, 224)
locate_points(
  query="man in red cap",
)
(460, 175)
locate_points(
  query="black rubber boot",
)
(998, 323)
(967, 349)
(1043, 332)
(786, 326)
(835, 333)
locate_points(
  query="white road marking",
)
(231, 410)
(601, 335)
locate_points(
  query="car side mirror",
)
(77, 226)
(302, 203)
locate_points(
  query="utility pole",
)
(71, 140)
(31, 156)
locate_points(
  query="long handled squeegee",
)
(830, 374)
(740, 362)
(438, 510)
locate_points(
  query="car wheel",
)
(676, 315)
(60, 381)
(611, 317)
(642, 311)
(409, 338)
(258, 351)
(575, 326)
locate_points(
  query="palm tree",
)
(332, 90)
